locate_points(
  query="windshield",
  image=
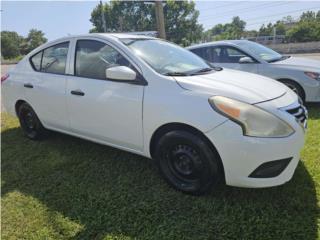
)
(265, 53)
(167, 58)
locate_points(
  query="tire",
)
(187, 162)
(30, 122)
(295, 87)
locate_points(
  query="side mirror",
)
(246, 60)
(121, 73)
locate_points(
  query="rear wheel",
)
(187, 162)
(30, 122)
(295, 87)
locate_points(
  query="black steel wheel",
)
(187, 162)
(30, 122)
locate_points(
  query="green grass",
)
(67, 188)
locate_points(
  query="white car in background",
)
(302, 75)
(153, 98)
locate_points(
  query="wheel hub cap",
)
(185, 161)
(29, 120)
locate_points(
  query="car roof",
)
(113, 36)
(224, 42)
(108, 36)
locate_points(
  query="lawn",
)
(68, 188)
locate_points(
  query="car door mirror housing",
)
(121, 73)
(246, 60)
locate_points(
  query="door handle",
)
(77, 92)
(28, 85)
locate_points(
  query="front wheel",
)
(295, 87)
(187, 162)
(30, 122)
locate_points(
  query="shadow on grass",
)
(314, 110)
(112, 192)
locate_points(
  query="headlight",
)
(254, 121)
(313, 75)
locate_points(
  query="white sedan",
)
(302, 75)
(156, 99)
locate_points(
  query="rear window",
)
(52, 59)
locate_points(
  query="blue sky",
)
(60, 18)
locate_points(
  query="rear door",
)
(105, 110)
(45, 85)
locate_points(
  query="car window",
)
(94, 57)
(54, 58)
(36, 61)
(263, 52)
(231, 55)
(216, 54)
(210, 54)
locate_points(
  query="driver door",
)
(229, 57)
(104, 110)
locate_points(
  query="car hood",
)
(246, 87)
(303, 64)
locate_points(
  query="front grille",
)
(300, 113)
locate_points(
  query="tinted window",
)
(231, 55)
(36, 61)
(54, 59)
(94, 57)
(209, 54)
(198, 51)
(204, 53)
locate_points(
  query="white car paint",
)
(126, 116)
(292, 68)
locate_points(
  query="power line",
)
(276, 18)
(241, 9)
(220, 6)
(276, 15)
(305, 9)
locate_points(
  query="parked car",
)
(302, 75)
(153, 98)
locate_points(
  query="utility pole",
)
(160, 19)
(103, 20)
(274, 34)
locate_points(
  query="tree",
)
(233, 30)
(304, 31)
(10, 44)
(266, 30)
(280, 28)
(318, 16)
(128, 16)
(181, 21)
(237, 26)
(308, 16)
(123, 16)
(34, 39)
(217, 29)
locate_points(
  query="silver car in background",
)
(302, 75)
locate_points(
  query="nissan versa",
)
(153, 98)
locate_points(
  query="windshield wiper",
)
(203, 70)
(278, 59)
(176, 74)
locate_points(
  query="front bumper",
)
(242, 155)
(312, 91)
